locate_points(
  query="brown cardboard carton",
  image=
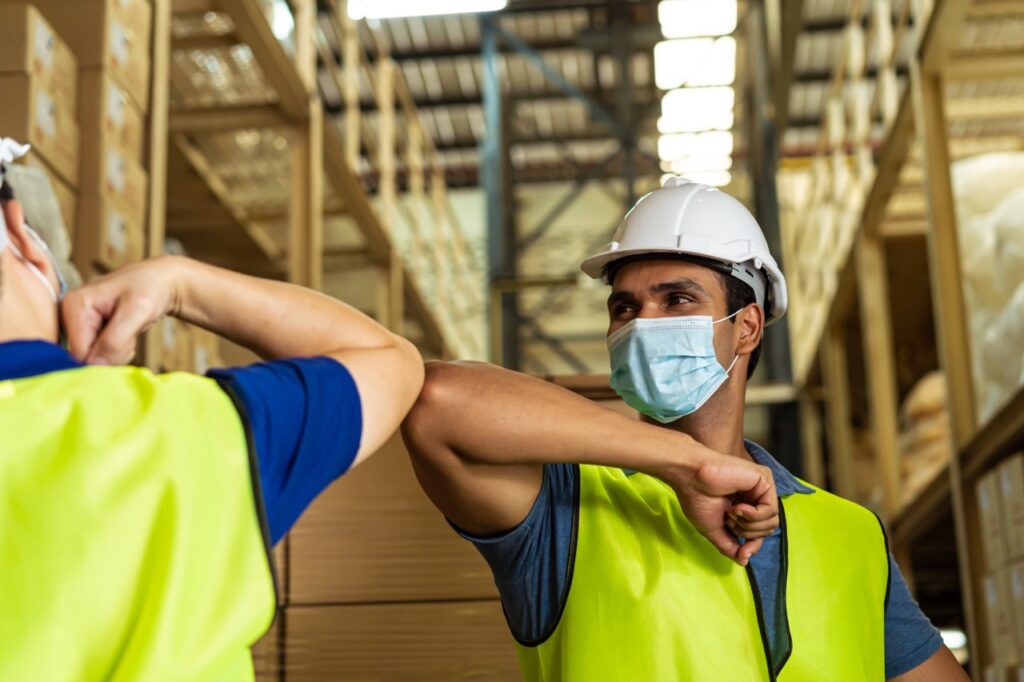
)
(32, 114)
(107, 235)
(110, 116)
(109, 172)
(109, 34)
(206, 351)
(30, 45)
(1011, 490)
(176, 342)
(67, 198)
(1002, 639)
(992, 523)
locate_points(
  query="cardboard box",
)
(30, 45)
(109, 115)
(67, 198)
(426, 642)
(990, 516)
(32, 114)
(1011, 489)
(107, 34)
(377, 522)
(107, 235)
(205, 351)
(1002, 638)
(109, 173)
(175, 345)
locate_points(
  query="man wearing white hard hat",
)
(138, 510)
(669, 548)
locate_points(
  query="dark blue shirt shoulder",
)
(531, 564)
(306, 423)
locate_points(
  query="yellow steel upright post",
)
(951, 327)
(305, 252)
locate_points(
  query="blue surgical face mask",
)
(666, 367)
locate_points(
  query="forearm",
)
(488, 415)
(273, 319)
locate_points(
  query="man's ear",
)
(19, 236)
(750, 328)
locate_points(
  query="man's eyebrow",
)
(682, 284)
(620, 297)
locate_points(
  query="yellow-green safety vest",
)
(131, 540)
(651, 600)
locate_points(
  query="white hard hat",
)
(692, 219)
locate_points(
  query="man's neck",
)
(718, 424)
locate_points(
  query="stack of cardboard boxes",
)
(111, 40)
(39, 80)
(185, 348)
(1000, 496)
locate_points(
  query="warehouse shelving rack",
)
(911, 167)
(332, 170)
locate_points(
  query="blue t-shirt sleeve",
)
(306, 423)
(910, 638)
(531, 562)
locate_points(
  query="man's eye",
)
(677, 299)
(622, 309)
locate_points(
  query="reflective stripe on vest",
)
(131, 545)
(651, 599)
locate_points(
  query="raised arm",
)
(273, 319)
(480, 435)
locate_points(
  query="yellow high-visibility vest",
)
(131, 540)
(652, 600)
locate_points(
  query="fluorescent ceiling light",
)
(696, 18)
(282, 23)
(691, 110)
(696, 61)
(686, 146)
(392, 9)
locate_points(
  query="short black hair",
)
(738, 294)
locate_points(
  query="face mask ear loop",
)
(728, 317)
(728, 370)
(37, 272)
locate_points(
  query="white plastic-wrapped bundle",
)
(985, 288)
(1008, 224)
(981, 182)
(1001, 355)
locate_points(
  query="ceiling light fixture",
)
(695, 62)
(393, 9)
(697, 18)
(691, 110)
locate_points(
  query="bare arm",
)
(273, 319)
(940, 667)
(480, 435)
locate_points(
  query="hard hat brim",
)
(596, 267)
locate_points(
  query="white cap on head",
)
(10, 151)
(690, 219)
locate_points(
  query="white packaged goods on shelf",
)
(888, 94)
(990, 213)
(925, 439)
(981, 182)
(855, 50)
(927, 398)
(1001, 354)
(836, 121)
(883, 34)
